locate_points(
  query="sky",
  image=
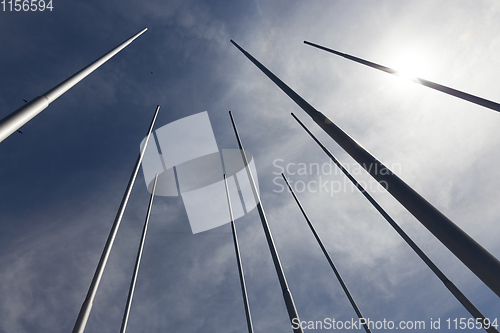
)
(63, 178)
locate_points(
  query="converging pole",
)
(83, 316)
(287, 295)
(472, 254)
(138, 260)
(21, 116)
(238, 260)
(447, 90)
(450, 285)
(330, 261)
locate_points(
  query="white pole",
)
(83, 316)
(287, 295)
(238, 260)
(21, 116)
(138, 261)
(327, 255)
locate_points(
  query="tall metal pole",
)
(21, 116)
(473, 255)
(450, 285)
(138, 260)
(330, 261)
(83, 316)
(238, 260)
(287, 295)
(447, 90)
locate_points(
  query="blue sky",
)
(62, 180)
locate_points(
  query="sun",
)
(412, 65)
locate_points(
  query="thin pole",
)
(83, 316)
(473, 255)
(447, 90)
(450, 285)
(238, 260)
(21, 116)
(138, 261)
(287, 295)
(330, 261)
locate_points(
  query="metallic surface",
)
(238, 259)
(447, 90)
(21, 116)
(287, 295)
(450, 285)
(138, 260)
(87, 304)
(332, 265)
(472, 254)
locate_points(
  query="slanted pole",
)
(138, 260)
(238, 260)
(450, 285)
(287, 295)
(83, 316)
(473, 255)
(447, 90)
(21, 116)
(330, 261)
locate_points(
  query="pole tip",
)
(234, 43)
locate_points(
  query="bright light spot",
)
(411, 66)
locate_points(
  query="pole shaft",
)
(447, 90)
(138, 260)
(287, 295)
(21, 116)
(238, 260)
(83, 316)
(327, 255)
(451, 287)
(472, 254)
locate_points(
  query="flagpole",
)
(330, 261)
(83, 316)
(238, 260)
(138, 260)
(287, 295)
(473, 255)
(447, 90)
(21, 116)
(450, 285)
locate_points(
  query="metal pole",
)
(83, 316)
(473, 255)
(21, 116)
(330, 261)
(450, 285)
(238, 260)
(447, 90)
(287, 295)
(138, 261)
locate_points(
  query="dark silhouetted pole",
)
(330, 261)
(138, 260)
(238, 260)
(473, 255)
(83, 316)
(287, 295)
(21, 116)
(450, 285)
(447, 90)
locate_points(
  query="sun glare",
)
(412, 66)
